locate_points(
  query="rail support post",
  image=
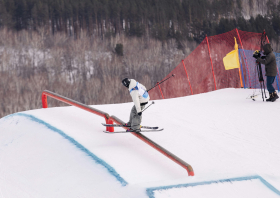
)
(109, 121)
(44, 101)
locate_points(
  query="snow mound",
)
(62, 152)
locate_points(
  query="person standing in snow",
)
(269, 61)
(140, 98)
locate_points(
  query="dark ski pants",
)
(134, 118)
(269, 82)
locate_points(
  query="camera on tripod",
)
(257, 54)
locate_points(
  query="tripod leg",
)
(262, 91)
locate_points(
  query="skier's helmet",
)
(126, 82)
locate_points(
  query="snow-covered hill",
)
(231, 142)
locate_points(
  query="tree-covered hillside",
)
(161, 19)
(82, 49)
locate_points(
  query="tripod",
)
(261, 80)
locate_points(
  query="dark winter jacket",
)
(269, 61)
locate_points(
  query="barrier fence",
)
(203, 70)
(113, 119)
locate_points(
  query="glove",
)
(263, 57)
(140, 113)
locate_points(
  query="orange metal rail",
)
(77, 104)
(159, 148)
(111, 120)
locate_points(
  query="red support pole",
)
(267, 39)
(109, 121)
(244, 57)
(187, 76)
(211, 62)
(160, 90)
(44, 101)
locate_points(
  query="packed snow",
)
(232, 143)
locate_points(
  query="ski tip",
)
(108, 132)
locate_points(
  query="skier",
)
(140, 98)
(269, 61)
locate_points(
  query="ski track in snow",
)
(220, 134)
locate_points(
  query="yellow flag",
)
(231, 60)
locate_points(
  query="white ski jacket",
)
(138, 93)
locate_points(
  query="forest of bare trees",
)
(161, 19)
(87, 70)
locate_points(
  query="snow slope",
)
(231, 142)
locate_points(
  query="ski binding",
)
(119, 125)
(153, 130)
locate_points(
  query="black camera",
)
(257, 54)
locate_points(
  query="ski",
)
(119, 125)
(154, 130)
(253, 97)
